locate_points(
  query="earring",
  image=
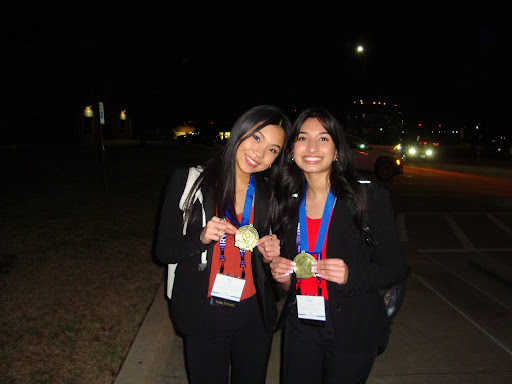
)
(293, 159)
(269, 166)
(335, 159)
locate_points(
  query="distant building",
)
(377, 122)
(181, 130)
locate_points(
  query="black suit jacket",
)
(191, 280)
(356, 307)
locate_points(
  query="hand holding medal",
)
(282, 268)
(334, 270)
(215, 229)
(269, 247)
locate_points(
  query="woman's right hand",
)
(215, 228)
(282, 269)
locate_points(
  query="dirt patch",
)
(77, 271)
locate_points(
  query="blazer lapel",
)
(335, 227)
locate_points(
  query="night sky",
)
(176, 62)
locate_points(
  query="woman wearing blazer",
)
(223, 301)
(333, 315)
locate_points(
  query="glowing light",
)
(88, 112)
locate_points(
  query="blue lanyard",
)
(302, 235)
(246, 217)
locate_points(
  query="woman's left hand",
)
(334, 270)
(270, 247)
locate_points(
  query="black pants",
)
(229, 336)
(311, 355)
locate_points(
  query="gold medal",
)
(247, 238)
(303, 262)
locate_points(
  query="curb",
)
(150, 349)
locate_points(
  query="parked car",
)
(383, 162)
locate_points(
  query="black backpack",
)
(392, 297)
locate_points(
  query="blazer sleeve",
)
(390, 265)
(171, 245)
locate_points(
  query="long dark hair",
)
(219, 174)
(289, 186)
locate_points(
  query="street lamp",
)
(360, 51)
(88, 112)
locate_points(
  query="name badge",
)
(227, 287)
(311, 307)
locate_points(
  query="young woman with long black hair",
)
(219, 235)
(333, 315)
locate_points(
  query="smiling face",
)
(314, 151)
(258, 152)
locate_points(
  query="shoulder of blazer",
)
(179, 177)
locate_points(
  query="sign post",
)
(102, 144)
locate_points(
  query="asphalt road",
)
(455, 222)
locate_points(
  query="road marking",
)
(500, 224)
(455, 213)
(469, 283)
(499, 343)
(400, 224)
(464, 250)
(459, 233)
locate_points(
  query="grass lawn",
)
(77, 271)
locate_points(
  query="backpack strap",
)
(193, 174)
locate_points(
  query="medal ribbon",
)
(246, 216)
(302, 236)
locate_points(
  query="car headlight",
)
(412, 151)
(429, 152)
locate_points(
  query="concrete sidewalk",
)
(431, 342)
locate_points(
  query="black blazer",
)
(190, 288)
(356, 307)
